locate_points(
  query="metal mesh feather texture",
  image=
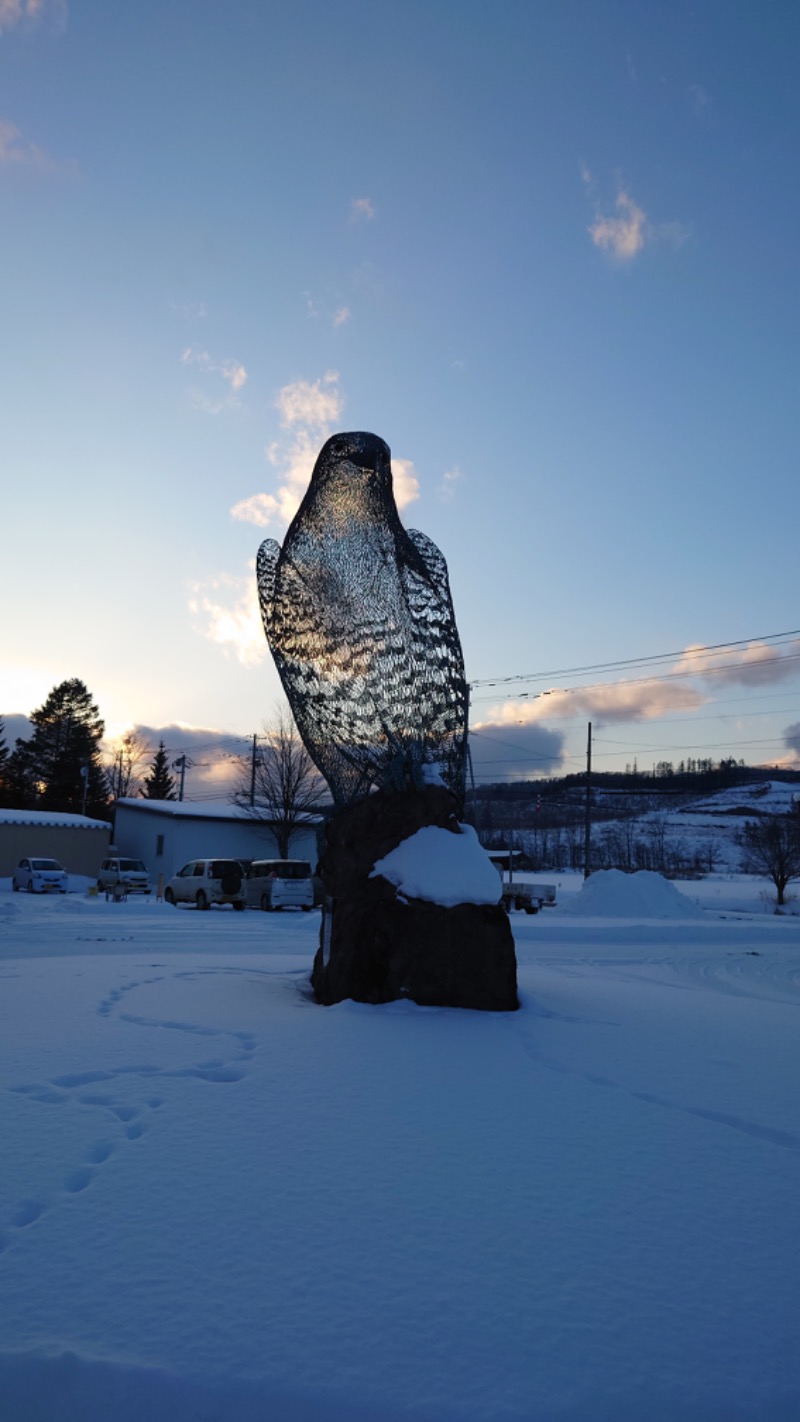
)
(359, 618)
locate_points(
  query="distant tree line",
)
(545, 820)
(63, 765)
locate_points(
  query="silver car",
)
(40, 876)
(207, 881)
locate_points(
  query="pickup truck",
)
(529, 897)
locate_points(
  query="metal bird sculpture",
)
(358, 615)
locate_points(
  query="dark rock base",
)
(377, 948)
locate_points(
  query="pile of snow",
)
(442, 868)
(610, 893)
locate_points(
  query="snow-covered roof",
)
(194, 810)
(54, 819)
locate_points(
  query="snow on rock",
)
(441, 868)
(609, 893)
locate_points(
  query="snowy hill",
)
(701, 836)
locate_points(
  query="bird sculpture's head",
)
(355, 470)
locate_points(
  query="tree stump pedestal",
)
(377, 946)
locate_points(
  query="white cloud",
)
(342, 316)
(405, 482)
(673, 233)
(231, 371)
(315, 405)
(260, 509)
(19, 12)
(235, 374)
(213, 758)
(700, 100)
(362, 207)
(647, 699)
(447, 489)
(758, 664)
(500, 751)
(310, 411)
(620, 701)
(230, 614)
(16, 151)
(623, 237)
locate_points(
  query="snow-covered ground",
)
(220, 1202)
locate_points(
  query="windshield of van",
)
(132, 866)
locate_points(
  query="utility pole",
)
(587, 833)
(466, 739)
(180, 764)
(253, 774)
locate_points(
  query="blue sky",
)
(547, 251)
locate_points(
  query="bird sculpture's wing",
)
(435, 565)
(266, 568)
(441, 692)
(437, 643)
(319, 655)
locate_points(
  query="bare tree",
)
(772, 849)
(279, 785)
(123, 761)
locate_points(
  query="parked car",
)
(279, 883)
(207, 881)
(40, 876)
(128, 874)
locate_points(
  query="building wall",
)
(142, 833)
(80, 850)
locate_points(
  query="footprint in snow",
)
(78, 1180)
(27, 1213)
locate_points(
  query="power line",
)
(620, 663)
(645, 680)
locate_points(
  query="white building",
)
(166, 834)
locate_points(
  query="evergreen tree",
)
(60, 768)
(4, 762)
(159, 784)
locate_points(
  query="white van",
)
(279, 883)
(128, 874)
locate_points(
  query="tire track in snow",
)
(785, 1139)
